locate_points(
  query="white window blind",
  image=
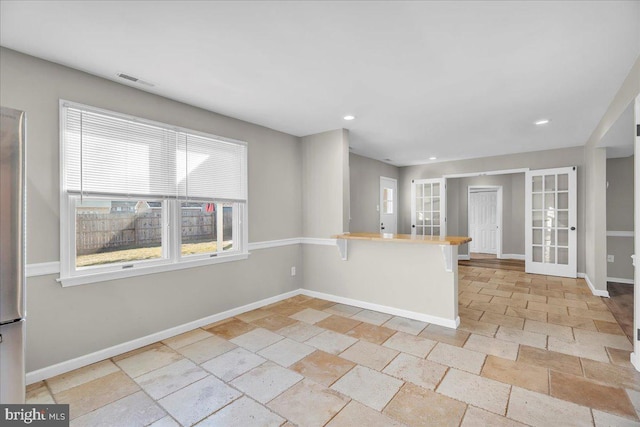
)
(211, 169)
(110, 154)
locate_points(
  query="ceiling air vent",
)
(134, 79)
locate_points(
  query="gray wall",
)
(325, 182)
(595, 165)
(620, 216)
(512, 209)
(65, 323)
(620, 194)
(365, 176)
(535, 160)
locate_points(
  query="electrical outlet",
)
(293, 271)
(610, 258)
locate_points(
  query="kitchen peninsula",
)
(401, 274)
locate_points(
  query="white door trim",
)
(498, 190)
(486, 173)
(395, 204)
(635, 356)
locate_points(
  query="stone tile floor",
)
(530, 350)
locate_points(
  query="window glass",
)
(199, 228)
(201, 225)
(227, 226)
(387, 200)
(117, 231)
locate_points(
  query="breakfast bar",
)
(409, 276)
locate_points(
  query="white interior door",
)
(483, 221)
(428, 207)
(388, 205)
(551, 220)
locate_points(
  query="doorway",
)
(388, 205)
(485, 221)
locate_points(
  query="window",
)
(387, 201)
(141, 197)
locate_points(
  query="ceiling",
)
(446, 79)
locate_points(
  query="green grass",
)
(138, 254)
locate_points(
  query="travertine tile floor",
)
(530, 350)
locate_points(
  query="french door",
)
(551, 219)
(428, 207)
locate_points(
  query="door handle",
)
(573, 228)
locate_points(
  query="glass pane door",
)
(551, 222)
(428, 207)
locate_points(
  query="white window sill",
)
(141, 270)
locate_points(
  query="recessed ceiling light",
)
(542, 122)
(433, 158)
(349, 117)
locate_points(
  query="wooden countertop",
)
(405, 238)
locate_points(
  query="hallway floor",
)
(491, 261)
(530, 350)
(621, 305)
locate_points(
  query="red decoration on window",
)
(210, 207)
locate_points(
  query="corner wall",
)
(365, 176)
(620, 218)
(325, 184)
(596, 166)
(65, 323)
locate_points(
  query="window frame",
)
(71, 275)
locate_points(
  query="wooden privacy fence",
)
(106, 232)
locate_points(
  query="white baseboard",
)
(465, 257)
(79, 362)
(512, 256)
(620, 280)
(635, 361)
(97, 356)
(594, 291)
(384, 309)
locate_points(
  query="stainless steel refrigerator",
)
(12, 255)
